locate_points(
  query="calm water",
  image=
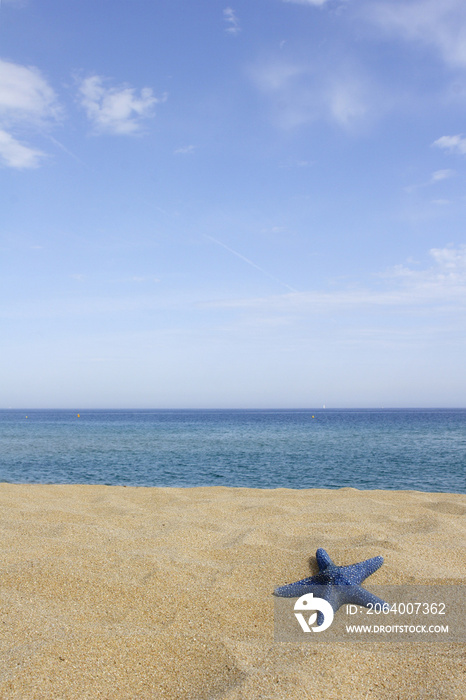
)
(367, 449)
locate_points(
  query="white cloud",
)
(25, 95)
(116, 110)
(26, 101)
(232, 21)
(454, 144)
(16, 155)
(438, 23)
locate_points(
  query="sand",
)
(114, 592)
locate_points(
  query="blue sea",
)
(418, 449)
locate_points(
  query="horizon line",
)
(251, 408)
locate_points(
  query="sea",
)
(418, 449)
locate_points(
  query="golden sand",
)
(136, 593)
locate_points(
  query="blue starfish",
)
(338, 585)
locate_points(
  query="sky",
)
(255, 205)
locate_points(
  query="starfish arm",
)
(299, 588)
(359, 596)
(356, 573)
(323, 559)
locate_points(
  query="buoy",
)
(79, 415)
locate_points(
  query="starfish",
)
(338, 585)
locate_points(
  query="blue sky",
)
(256, 204)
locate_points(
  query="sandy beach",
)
(114, 592)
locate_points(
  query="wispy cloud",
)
(232, 21)
(249, 262)
(63, 148)
(185, 150)
(440, 175)
(27, 102)
(454, 144)
(441, 25)
(346, 100)
(139, 279)
(436, 177)
(441, 285)
(314, 3)
(303, 93)
(116, 110)
(451, 259)
(431, 299)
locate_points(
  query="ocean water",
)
(418, 449)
